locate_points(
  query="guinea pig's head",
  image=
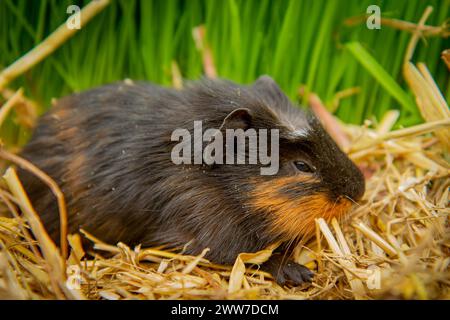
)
(315, 178)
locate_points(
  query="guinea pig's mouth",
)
(293, 218)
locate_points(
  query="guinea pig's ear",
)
(239, 118)
(269, 90)
(265, 82)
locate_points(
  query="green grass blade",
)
(378, 72)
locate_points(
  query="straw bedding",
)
(394, 244)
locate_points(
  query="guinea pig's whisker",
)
(334, 204)
(349, 198)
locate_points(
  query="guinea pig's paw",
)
(288, 272)
(297, 273)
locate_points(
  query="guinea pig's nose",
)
(348, 182)
(355, 187)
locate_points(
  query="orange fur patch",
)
(67, 133)
(74, 172)
(295, 217)
(76, 164)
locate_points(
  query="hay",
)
(395, 243)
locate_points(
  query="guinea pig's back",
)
(93, 144)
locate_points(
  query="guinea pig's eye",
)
(303, 166)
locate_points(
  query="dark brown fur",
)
(109, 150)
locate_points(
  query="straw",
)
(50, 44)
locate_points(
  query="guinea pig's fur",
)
(109, 150)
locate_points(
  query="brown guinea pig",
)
(109, 149)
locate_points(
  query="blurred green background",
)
(295, 41)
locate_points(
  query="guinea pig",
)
(110, 148)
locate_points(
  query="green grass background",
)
(294, 41)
